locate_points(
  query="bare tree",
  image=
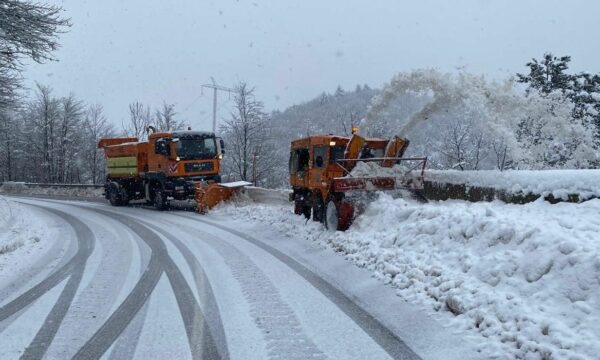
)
(139, 119)
(28, 30)
(44, 115)
(96, 127)
(8, 144)
(71, 112)
(165, 118)
(249, 150)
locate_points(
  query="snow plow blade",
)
(209, 195)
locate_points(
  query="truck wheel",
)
(306, 211)
(338, 215)
(160, 200)
(301, 209)
(113, 197)
(298, 207)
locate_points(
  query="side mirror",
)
(220, 146)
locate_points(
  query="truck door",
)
(319, 163)
(299, 159)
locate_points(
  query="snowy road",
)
(136, 283)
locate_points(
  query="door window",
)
(320, 156)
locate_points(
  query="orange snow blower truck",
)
(169, 165)
(332, 176)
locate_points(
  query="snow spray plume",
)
(416, 82)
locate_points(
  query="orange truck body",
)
(320, 174)
(319, 179)
(167, 165)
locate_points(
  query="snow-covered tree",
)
(9, 134)
(551, 138)
(68, 147)
(96, 127)
(549, 76)
(250, 152)
(466, 122)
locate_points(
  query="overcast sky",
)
(120, 51)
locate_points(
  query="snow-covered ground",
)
(524, 278)
(559, 183)
(25, 238)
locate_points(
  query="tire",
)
(298, 207)
(338, 215)
(306, 212)
(160, 200)
(113, 196)
(301, 209)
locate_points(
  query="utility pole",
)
(216, 88)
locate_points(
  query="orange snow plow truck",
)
(333, 177)
(169, 165)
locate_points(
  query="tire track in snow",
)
(214, 323)
(100, 287)
(57, 256)
(200, 339)
(43, 286)
(116, 323)
(388, 341)
(204, 289)
(272, 315)
(42, 340)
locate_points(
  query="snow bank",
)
(558, 183)
(86, 191)
(25, 237)
(16, 228)
(525, 278)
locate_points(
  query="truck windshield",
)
(196, 148)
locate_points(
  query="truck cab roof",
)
(181, 134)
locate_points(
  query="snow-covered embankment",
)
(525, 278)
(579, 184)
(26, 236)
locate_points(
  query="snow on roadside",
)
(24, 238)
(559, 183)
(33, 189)
(526, 278)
